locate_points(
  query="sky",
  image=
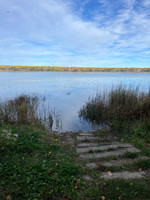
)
(83, 33)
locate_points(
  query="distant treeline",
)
(68, 69)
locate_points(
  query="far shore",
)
(18, 68)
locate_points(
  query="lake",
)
(67, 92)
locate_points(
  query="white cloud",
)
(51, 28)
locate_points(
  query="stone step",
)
(92, 165)
(124, 161)
(92, 138)
(114, 163)
(103, 148)
(87, 144)
(86, 134)
(86, 138)
(123, 175)
(109, 153)
(94, 144)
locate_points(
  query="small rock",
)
(87, 178)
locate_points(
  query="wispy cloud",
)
(57, 32)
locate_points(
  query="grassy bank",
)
(33, 165)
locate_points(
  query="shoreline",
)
(9, 68)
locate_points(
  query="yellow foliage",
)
(68, 69)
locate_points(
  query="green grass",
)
(117, 189)
(35, 166)
(138, 133)
(130, 155)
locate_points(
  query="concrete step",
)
(103, 148)
(86, 134)
(87, 144)
(123, 175)
(109, 153)
(114, 163)
(86, 138)
(124, 161)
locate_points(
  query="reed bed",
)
(29, 110)
(120, 103)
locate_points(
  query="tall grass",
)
(26, 109)
(121, 103)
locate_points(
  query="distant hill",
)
(12, 68)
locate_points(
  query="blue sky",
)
(85, 33)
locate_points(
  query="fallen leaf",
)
(140, 169)
(135, 193)
(109, 173)
(8, 197)
(103, 198)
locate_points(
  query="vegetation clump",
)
(122, 104)
(26, 109)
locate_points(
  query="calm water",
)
(67, 92)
